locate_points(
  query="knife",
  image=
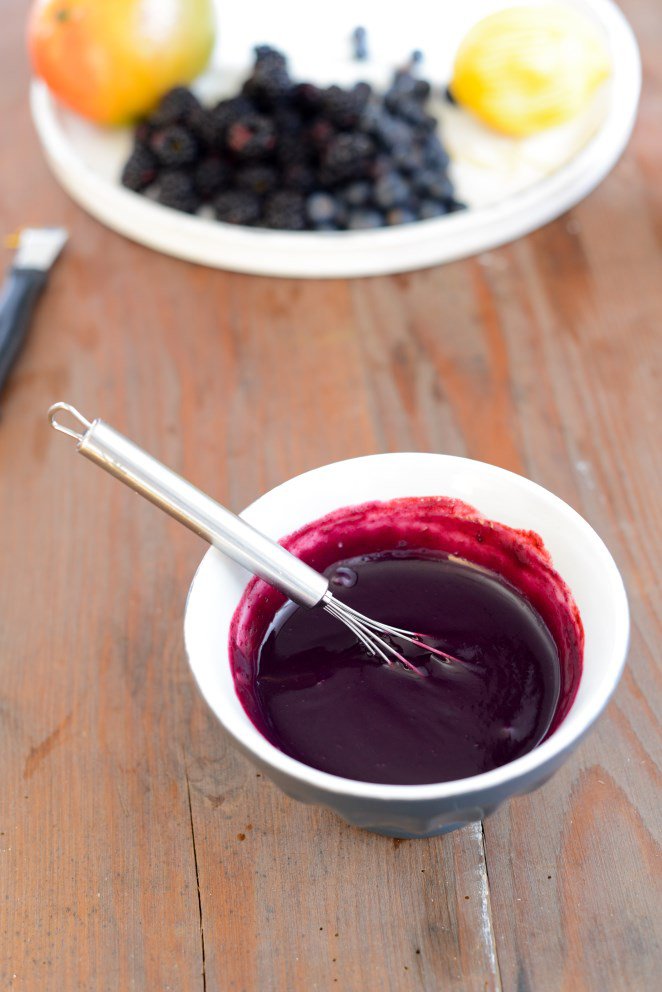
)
(38, 247)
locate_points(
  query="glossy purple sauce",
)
(482, 592)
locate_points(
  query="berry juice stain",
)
(513, 648)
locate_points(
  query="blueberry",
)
(431, 208)
(392, 132)
(434, 185)
(357, 194)
(364, 220)
(435, 154)
(400, 215)
(422, 90)
(321, 208)
(391, 191)
(360, 42)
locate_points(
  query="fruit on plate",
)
(525, 69)
(112, 61)
(296, 156)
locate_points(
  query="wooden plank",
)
(308, 902)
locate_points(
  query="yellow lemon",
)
(525, 69)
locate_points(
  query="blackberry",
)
(259, 178)
(344, 107)
(176, 190)
(211, 174)
(251, 137)
(391, 190)
(308, 98)
(292, 150)
(287, 121)
(265, 53)
(140, 169)
(452, 206)
(298, 176)
(237, 206)
(285, 211)
(433, 185)
(174, 108)
(346, 156)
(174, 146)
(364, 220)
(269, 80)
(322, 208)
(212, 125)
(356, 194)
(400, 215)
(142, 133)
(326, 225)
(321, 133)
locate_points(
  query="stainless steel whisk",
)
(237, 539)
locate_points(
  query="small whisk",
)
(256, 552)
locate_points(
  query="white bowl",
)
(578, 555)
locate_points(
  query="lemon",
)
(526, 69)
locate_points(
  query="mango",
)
(111, 60)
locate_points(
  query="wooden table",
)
(138, 850)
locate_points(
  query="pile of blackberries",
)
(297, 157)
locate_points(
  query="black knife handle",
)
(17, 298)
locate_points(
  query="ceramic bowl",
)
(578, 555)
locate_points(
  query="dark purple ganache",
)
(483, 594)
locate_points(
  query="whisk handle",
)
(262, 556)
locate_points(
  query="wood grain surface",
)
(138, 850)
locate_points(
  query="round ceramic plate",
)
(510, 186)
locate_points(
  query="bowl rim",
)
(544, 754)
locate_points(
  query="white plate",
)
(512, 187)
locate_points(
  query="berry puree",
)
(507, 634)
